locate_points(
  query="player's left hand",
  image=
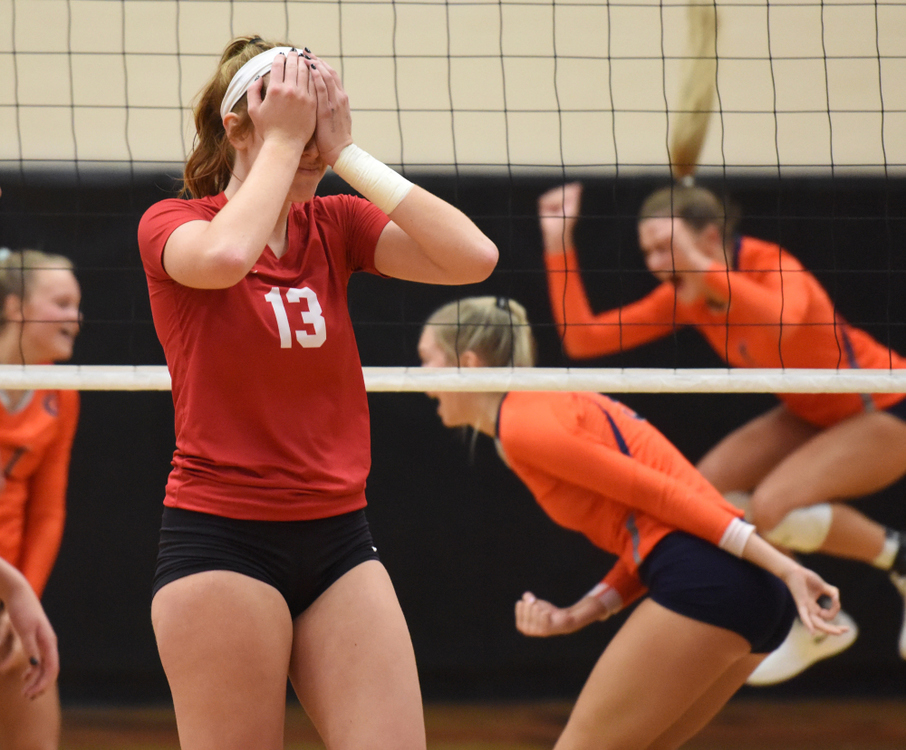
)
(36, 643)
(334, 129)
(816, 601)
(540, 619)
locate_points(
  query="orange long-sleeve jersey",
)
(778, 315)
(598, 468)
(35, 446)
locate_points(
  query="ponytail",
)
(210, 165)
(697, 94)
(495, 328)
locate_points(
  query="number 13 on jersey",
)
(311, 317)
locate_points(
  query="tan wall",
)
(476, 84)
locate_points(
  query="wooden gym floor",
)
(745, 724)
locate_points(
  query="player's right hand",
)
(287, 108)
(558, 212)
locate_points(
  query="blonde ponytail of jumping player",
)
(688, 126)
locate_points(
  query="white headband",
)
(246, 75)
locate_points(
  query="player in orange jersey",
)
(716, 603)
(39, 320)
(757, 307)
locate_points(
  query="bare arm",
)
(585, 333)
(558, 212)
(33, 628)
(219, 253)
(806, 586)
(428, 240)
(538, 618)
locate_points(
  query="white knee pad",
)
(739, 499)
(803, 529)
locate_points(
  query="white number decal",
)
(312, 317)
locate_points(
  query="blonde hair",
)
(17, 272)
(495, 328)
(210, 165)
(689, 126)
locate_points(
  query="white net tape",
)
(494, 379)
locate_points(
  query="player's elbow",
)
(474, 262)
(579, 347)
(229, 266)
(485, 257)
(218, 268)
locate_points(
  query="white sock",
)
(888, 552)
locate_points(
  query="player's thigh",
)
(224, 641)
(353, 666)
(742, 459)
(651, 674)
(709, 704)
(856, 457)
(25, 723)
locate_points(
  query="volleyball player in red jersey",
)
(757, 307)
(716, 602)
(39, 321)
(267, 568)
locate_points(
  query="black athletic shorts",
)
(301, 559)
(697, 579)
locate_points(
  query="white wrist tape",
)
(608, 596)
(735, 537)
(384, 187)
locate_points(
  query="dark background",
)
(460, 535)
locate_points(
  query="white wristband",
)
(735, 536)
(608, 596)
(384, 187)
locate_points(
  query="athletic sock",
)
(899, 561)
(893, 553)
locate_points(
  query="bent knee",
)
(802, 529)
(764, 511)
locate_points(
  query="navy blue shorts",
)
(695, 578)
(301, 559)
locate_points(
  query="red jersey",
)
(598, 468)
(35, 446)
(271, 413)
(779, 315)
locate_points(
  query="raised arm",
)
(427, 240)
(558, 212)
(585, 333)
(219, 253)
(430, 241)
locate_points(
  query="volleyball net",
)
(488, 103)
(498, 379)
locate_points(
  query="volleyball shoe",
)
(801, 650)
